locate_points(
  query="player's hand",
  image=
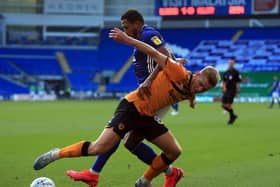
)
(144, 89)
(118, 35)
(192, 104)
(182, 61)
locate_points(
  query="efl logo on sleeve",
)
(156, 40)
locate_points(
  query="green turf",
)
(246, 154)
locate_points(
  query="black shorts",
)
(228, 98)
(127, 118)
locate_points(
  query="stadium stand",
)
(6, 68)
(85, 63)
(126, 84)
(252, 50)
(79, 55)
(8, 87)
(251, 55)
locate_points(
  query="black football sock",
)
(271, 104)
(227, 109)
(231, 113)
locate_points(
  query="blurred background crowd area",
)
(60, 49)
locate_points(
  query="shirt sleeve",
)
(224, 76)
(238, 77)
(154, 39)
(175, 71)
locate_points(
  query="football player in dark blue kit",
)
(145, 70)
(144, 66)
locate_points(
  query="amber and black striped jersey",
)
(170, 86)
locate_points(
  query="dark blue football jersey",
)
(143, 64)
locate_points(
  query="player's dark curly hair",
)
(132, 16)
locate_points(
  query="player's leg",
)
(170, 147)
(91, 176)
(227, 102)
(272, 101)
(133, 142)
(120, 123)
(233, 116)
(171, 151)
(157, 133)
(103, 158)
(274, 98)
(175, 108)
(104, 143)
(111, 135)
(278, 99)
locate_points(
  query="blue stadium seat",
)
(8, 87)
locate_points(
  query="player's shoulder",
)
(235, 71)
(148, 29)
(226, 72)
(149, 32)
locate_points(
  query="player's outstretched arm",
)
(122, 37)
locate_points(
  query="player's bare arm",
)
(181, 60)
(122, 37)
(192, 103)
(238, 89)
(224, 89)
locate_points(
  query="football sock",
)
(159, 164)
(144, 152)
(226, 108)
(272, 103)
(175, 107)
(75, 150)
(145, 181)
(168, 171)
(102, 159)
(231, 112)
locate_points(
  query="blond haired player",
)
(135, 112)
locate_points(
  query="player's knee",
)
(177, 152)
(92, 150)
(130, 145)
(131, 141)
(174, 153)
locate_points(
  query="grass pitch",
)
(246, 154)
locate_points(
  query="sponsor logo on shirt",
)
(156, 40)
